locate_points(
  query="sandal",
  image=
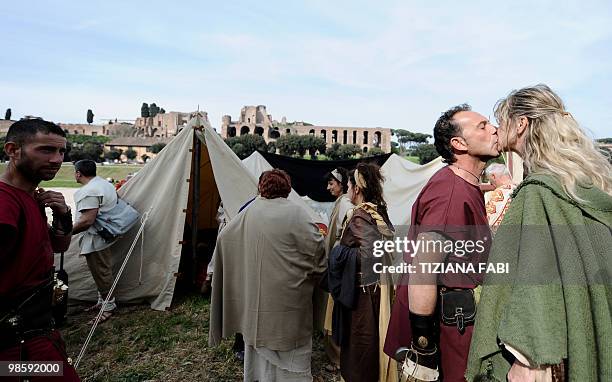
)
(104, 317)
(92, 308)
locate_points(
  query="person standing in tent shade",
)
(362, 295)
(337, 185)
(268, 259)
(36, 151)
(96, 196)
(449, 209)
(549, 318)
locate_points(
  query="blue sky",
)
(395, 64)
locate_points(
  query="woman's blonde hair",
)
(554, 143)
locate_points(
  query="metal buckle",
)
(459, 316)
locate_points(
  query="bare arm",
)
(88, 217)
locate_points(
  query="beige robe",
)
(268, 259)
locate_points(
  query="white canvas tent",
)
(403, 182)
(163, 187)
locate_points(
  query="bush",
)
(272, 147)
(426, 153)
(157, 147)
(373, 152)
(245, 145)
(348, 151)
(332, 151)
(131, 154)
(113, 154)
(80, 139)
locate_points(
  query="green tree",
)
(79, 139)
(373, 152)
(332, 151)
(239, 150)
(144, 110)
(313, 145)
(93, 150)
(153, 110)
(90, 116)
(248, 144)
(162, 111)
(130, 154)
(426, 153)
(348, 151)
(7, 115)
(408, 139)
(113, 154)
(157, 147)
(3, 156)
(288, 144)
(76, 154)
(272, 147)
(395, 148)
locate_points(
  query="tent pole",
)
(196, 202)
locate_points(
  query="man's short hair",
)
(22, 131)
(86, 167)
(445, 129)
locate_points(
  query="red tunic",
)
(23, 267)
(455, 208)
(28, 264)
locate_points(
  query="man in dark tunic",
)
(449, 209)
(36, 150)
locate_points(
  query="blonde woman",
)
(549, 317)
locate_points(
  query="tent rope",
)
(143, 221)
(142, 242)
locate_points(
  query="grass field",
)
(139, 344)
(65, 176)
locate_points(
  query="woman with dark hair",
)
(268, 260)
(337, 185)
(362, 297)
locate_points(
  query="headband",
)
(359, 180)
(336, 174)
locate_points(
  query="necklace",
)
(469, 172)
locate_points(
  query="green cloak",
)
(555, 302)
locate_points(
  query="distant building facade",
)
(163, 125)
(84, 129)
(256, 120)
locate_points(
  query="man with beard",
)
(450, 208)
(36, 151)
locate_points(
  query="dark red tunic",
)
(24, 265)
(455, 208)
